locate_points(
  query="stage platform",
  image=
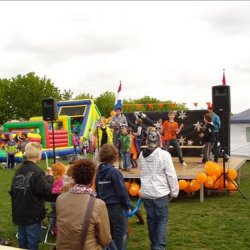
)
(191, 170)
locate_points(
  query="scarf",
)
(82, 189)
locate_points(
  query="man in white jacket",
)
(159, 184)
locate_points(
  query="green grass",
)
(220, 222)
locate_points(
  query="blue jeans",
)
(176, 147)
(11, 161)
(157, 219)
(118, 225)
(126, 157)
(30, 236)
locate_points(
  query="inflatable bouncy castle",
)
(78, 116)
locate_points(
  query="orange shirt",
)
(170, 129)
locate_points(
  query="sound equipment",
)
(49, 109)
(221, 98)
(222, 107)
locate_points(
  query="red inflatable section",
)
(60, 138)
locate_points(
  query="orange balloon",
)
(127, 184)
(210, 168)
(195, 185)
(135, 184)
(221, 182)
(231, 186)
(217, 169)
(232, 173)
(112, 113)
(201, 177)
(182, 184)
(133, 190)
(209, 182)
(188, 188)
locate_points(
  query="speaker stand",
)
(53, 140)
(226, 177)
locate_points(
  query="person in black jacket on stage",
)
(30, 187)
(208, 138)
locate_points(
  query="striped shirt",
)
(158, 176)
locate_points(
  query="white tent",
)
(240, 134)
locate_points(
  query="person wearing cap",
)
(117, 122)
(159, 184)
(217, 125)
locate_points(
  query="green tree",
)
(105, 103)
(24, 94)
(66, 95)
(4, 116)
(83, 96)
(150, 104)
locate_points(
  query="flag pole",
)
(223, 78)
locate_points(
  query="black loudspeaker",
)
(49, 109)
(222, 107)
(221, 98)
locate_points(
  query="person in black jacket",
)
(110, 187)
(208, 137)
(29, 189)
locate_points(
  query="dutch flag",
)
(118, 101)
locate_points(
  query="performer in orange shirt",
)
(171, 129)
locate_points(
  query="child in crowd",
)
(90, 140)
(133, 150)
(57, 170)
(171, 130)
(111, 189)
(125, 144)
(75, 142)
(208, 138)
(84, 146)
(11, 148)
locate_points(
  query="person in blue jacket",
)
(217, 125)
(111, 189)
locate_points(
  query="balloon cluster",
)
(133, 188)
(212, 179)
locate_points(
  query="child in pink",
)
(58, 170)
(75, 142)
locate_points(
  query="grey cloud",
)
(85, 44)
(229, 18)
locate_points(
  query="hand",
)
(170, 198)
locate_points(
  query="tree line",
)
(21, 98)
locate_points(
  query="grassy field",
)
(222, 221)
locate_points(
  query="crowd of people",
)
(90, 209)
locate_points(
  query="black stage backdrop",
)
(188, 137)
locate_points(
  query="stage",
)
(192, 169)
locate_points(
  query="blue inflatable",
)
(135, 209)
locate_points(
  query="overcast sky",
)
(167, 50)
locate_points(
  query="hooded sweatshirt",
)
(110, 186)
(158, 176)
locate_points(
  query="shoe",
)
(183, 164)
